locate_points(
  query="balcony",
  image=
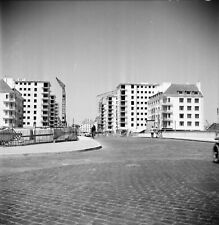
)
(6, 117)
(10, 108)
(10, 100)
(167, 119)
(167, 111)
(165, 103)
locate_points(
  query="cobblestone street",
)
(129, 181)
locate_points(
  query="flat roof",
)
(142, 83)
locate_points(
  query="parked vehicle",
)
(216, 150)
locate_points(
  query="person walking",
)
(93, 131)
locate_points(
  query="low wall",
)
(186, 135)
(191, 135)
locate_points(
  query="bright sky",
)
(92, 46)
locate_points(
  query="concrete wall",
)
(185, 135)
(191, 135)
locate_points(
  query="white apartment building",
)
(108, 112)
(126, 108)
(177, 107)
(86, 125)
(11, 106)
(36, 94)
(132, 105)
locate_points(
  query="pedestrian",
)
(93, 131)
(152, 132)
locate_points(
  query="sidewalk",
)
(83, 144)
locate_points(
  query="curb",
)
(89, 149)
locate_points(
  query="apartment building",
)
(132, 105)
(126, 108)
(54, 112)
(11, 106)
(86, 125)
(177, 107)
(108, 112)
(36, 107)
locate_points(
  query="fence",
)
(17, 137)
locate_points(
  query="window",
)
(132, 119)
(189, 123)
(196, 100)
(132, 92)
(35, 106)
(181, 99)
(132, 113)
(35, 100)
(181, 123)
(181, 107)
(181, 116)
(132, 97)
(189, 100)
(197, 116)
(132, 108)
(132, 86)
(34, 117)
(35, 89)
(189, 108)
(6, 96)
(132, 102)
(132, 124)
(189, 116)
(196, 108)
(196, 124)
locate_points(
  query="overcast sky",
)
(92, 46)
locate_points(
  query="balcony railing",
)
(10, 100)
(167, 103)
(167, 119)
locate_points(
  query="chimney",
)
(198, 84)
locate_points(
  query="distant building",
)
(177, 107)
(126, 108)
(108, 112)
(11, 106)
(36, 107)
(86, 125)
(132, 105)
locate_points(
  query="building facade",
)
(108, 112)
(36, 107)
(132, 104)
(126, 108)
(86, 125)
(177, 107)
(54, 112)
(11, 106)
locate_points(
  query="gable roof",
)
(4, 87)
(174, 89)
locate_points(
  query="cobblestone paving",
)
(130, 181)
